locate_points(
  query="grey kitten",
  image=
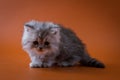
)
(51, 44)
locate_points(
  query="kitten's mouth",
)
(38, 50)
(41, 50)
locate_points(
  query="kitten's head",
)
(41, 36)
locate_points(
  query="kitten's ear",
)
(55, 29)
(28, 26)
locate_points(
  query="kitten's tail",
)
(92, 63)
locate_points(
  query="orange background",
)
(97, 23)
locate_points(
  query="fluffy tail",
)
(92, 63)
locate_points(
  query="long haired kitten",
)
(50, 44)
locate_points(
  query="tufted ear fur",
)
(54, 29)
(28, 27)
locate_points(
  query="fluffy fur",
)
(48, 44)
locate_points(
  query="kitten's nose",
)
(40, 47)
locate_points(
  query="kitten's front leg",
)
(38, 62)
(35, 62)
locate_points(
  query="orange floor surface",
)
(96, 22)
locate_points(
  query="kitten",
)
(50, 44)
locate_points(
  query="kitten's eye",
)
(46, 43)
(35, 42)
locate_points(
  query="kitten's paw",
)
(38, 65)
(35, 65)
